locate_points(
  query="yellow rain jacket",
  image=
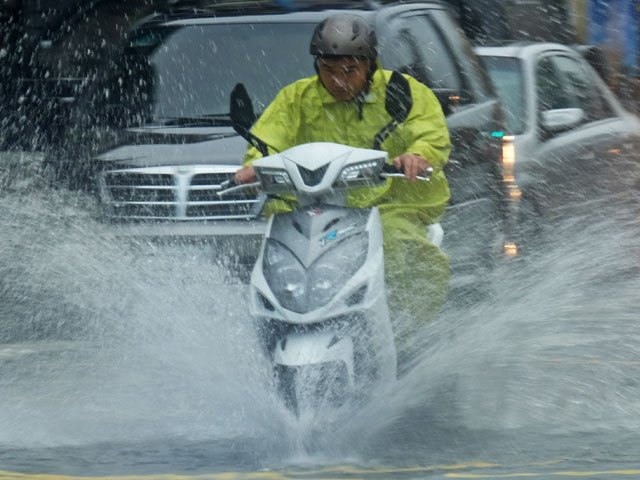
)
(306, 112)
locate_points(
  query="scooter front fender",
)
(312, 348)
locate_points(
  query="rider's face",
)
(344, 77)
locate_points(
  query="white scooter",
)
(317, 289)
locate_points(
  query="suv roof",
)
(184, 11)
(236, 6)
(250, 17)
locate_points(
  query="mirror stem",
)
(259, 144)
(383, 134)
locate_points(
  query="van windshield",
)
(506, 74)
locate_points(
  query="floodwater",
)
(127, 358)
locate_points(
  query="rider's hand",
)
(411, 165)
(245, 175)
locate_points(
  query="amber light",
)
(508, 166)
(515, 194)
(510, 249)
(508, 152)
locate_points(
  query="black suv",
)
(161, 140)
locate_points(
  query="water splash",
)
(548, 363)
(111, 341)
(105, 338)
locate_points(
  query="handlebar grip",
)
(390, 170)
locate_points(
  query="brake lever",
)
(395, 173)
(230, 186)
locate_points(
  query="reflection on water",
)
(120, 355)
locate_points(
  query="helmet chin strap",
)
(372, 69)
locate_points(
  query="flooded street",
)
(123, 357)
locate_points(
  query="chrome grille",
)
(209, 178)
(127, 179)
(133, 210)
(141, 194)
(176, 193)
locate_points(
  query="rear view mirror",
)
(241, 110)
(398, 101)
(243, 117)
(561, 119)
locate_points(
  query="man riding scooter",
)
(345, 103)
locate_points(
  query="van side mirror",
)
(561, 119)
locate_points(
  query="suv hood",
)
(160, 146)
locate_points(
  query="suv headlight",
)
(301, 290)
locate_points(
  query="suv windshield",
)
(189, 72)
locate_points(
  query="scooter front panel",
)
(310, 233)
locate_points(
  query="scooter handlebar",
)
(390, 171)
(231, 186)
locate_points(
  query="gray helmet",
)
(344, 34)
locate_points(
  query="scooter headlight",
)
(332, 270)
(301, 290)
(286, 276)
(274, 180)
(363, 173)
